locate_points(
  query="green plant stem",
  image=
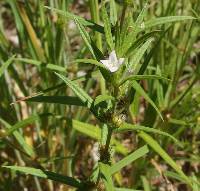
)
(108, 140)
(105, 156)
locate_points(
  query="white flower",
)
(113, 63)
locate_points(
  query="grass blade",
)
(143, 77)
(106, 176)
(139, 54)
(101, 98)
(48, 175)
(42, 64)
(159, 150)
(113, 12)
(107, 28)
(66, 100)
(129, 127)
(87, 129)
(90, 61)
(165, 20)
(129, 159)
(85, 36)
(83, 21)
(84, 97)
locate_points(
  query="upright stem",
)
(108, 140)
(104, 152)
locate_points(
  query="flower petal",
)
(106, 63)
(114, 68)
(112, 63)
(113, 57)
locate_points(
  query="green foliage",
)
(107, 28)
(157, 148)
(130, 158)
(47, 174)
(84, 97)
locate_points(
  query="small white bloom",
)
(113, 63)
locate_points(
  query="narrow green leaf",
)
(129, 159)
(42, 64)
(113, 12)
(56, 87)
(85, 36)
(84, 97)
(129, 39)
(125, 36)
(83, 21)
(164, 20)
(159, 150)
(143, 77)
(90, 61)
(129, 127)
(159, 90)
(141, 16)
(141, 40)
(102, 98)
(140, 90)
(178, 122)
(107, 28)
(28, 170)
(5, 65)
(132, 65)
(66, 100)
(87, 129)
(174, 175)
(148, 57)
(129, 43)
(48, 175)
(17, 17)
(105, 171)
